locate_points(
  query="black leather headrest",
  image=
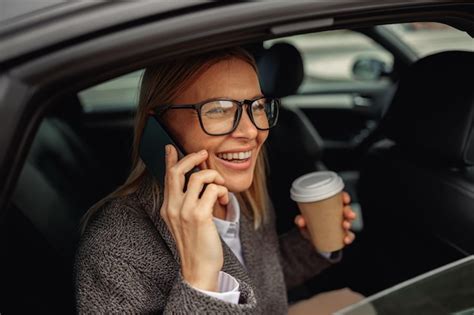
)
(432, 112)
(281, 70)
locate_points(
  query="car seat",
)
(294, 146)
(417, 184)
(60, 180)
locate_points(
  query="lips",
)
(235, 160)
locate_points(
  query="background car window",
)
(427, 38)
(119, 93)
(330, 56)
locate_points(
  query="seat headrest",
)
(432, 112)
(281, 70)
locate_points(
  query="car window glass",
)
(116, 94)
(427, 38)
(330, 56)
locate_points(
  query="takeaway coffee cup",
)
(319, 198)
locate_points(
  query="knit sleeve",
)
(123, 266)
(184, 299)
(111, 285)
(299, 258)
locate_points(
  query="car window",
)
(329, 56)
(340, 62)
(119, 93)
(331, 59)
(427, 38)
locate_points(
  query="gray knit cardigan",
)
(127, 262)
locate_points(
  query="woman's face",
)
(234, 79)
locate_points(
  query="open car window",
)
(118, 94)
(427, 38)
(329, 56)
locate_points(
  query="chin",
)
(237, 186)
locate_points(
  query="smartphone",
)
(152, 149)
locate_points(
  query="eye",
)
(217, 109)
(259, 106)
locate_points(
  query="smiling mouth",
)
(235, 157)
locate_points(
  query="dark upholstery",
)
(60, 180)
(417, 186)
(294, 146)
(434, 103)
(281, 70)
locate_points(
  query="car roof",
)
(57, 23)
(29, 26)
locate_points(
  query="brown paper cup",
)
(319, 197)
(324, 222)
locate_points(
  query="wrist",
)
(207, 282)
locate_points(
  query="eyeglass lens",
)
(218, 117)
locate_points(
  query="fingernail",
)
(167, 149)
(202, 152)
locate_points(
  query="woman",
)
(212, 246)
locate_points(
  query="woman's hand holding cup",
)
(326, 215)
(348, 217)
(189, 217)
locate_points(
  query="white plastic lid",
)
(316, 186)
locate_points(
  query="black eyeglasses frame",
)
(197, 107)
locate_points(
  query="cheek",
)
(194, 140)
(262, 137)
(187, 131)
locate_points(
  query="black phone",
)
(152, 149)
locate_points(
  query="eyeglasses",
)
(222, 116)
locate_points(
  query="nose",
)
(245, 128)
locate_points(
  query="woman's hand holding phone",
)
(189, 217)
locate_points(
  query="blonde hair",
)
(160, 84)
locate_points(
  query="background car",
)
(68, 81)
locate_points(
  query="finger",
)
(211, 194)
(169, 161)
(300, 221)
(172, 197)
(349, 238)
(171, 156)
(197, 181)
(224, 199)
(346, 225)
(346, 198)
(190, 161)
(349, 214)
(203, 165)
(175, 174)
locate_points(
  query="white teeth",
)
(235, 156)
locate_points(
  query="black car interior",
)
(294, 145)
(62, 172)
(419, 179)
(422, 169)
